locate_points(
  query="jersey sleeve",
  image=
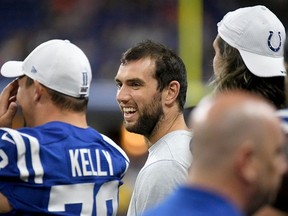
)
(15, 151)
(19, 158)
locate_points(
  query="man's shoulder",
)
(176, 137)
(174, 147)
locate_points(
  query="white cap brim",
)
(263, 66)
(12, 69)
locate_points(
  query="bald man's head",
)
(222, 122)
(238, 148)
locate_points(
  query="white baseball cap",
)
(259, 36)
(58, 65)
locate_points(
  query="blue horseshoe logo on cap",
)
(270, 44)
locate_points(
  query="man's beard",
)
(149, 119)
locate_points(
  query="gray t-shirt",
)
(166, 167)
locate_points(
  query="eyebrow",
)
(130, 80)
(135, 80)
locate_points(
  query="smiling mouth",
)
(129, 110)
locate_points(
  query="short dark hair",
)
(169, 66)
(63, 101)
(234, 74)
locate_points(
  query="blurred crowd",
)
(105, 28)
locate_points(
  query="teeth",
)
(129, 110)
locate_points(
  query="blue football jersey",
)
(60, 169)
(194, 201)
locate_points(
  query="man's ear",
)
(38, 90)
(246, 163)
(172, 92)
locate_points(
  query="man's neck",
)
(166, 125)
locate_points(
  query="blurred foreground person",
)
(238, 158)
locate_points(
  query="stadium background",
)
(104, 29)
